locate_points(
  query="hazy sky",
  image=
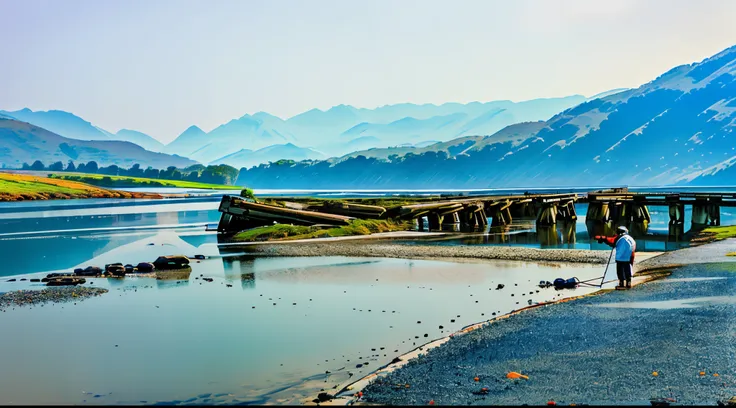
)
(160, 66)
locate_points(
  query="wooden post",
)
(676, 231)
(598, 211)
(714, 214)
(547, 215)
(700, 214)
(455, 218)
(571, 210)
(677, 213)
(498, 218)
(224, 222)
(471, 219)
(435, 221)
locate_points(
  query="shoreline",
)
(655, 267)
(347, 394)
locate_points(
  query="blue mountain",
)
(22, 142)
(675, 129)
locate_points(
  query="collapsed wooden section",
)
(467, 213)
(239, 214)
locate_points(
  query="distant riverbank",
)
(22, 187)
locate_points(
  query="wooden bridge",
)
(474, 212)
(621, 206)
(238, 213)
(606, 208)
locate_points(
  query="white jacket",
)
(625, 246)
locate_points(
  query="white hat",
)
(622, 228)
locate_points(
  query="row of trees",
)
(219, 174)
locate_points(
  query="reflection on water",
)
(263, 330)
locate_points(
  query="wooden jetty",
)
(239, 214)
(606, 209)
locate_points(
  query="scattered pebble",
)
(48, 295)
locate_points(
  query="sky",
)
(160, 66)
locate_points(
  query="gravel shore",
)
(595, 350)
(396, 250)
(50, 295)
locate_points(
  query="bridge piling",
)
(677, 213)
(435, 221)
(547, 215)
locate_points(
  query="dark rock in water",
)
(199, 257)
(129, 268)
(145, 267)
(116, 269)
(10, 280)
(442, 327)
(452, 320)
(500, 286)
(65, 281)
(207, 279)
(22, 279)
(426, 335)
(35, 280)
(89, 271)
(171, 262)
(419, 322)
(358, 365)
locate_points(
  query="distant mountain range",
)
(249, 158)
(675, 129)
(316, 134)
(22, 142)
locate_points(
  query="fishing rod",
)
(607, 265)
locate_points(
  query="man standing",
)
(625, 250)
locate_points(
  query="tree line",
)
(213, 174)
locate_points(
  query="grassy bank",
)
(712, 234)
(136, 182)
(280, 232)
(19, 187)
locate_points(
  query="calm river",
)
(265, 330)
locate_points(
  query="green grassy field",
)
(721, 232)
(291, 232)
(711, 234)
(16, 187)
(134, 182)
